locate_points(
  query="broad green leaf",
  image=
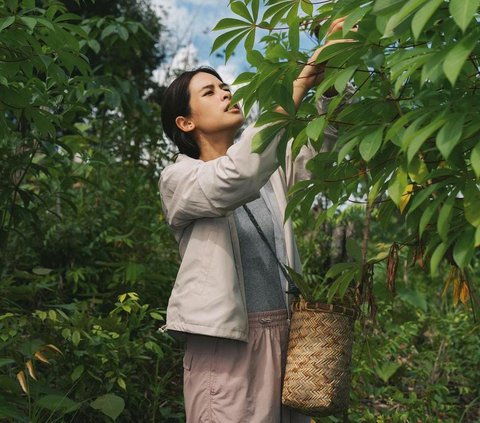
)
(29, 22)
(6, 22)
(315, 128)
(58, 403)
(77, 372)
(464, 248)
(343, 77)
(239, 8)
(477, 237)
(109, 404)
(255, 58)
(347, 148)
(445, 216)
(428, 214)
(475, 159)
(437, 257)
(355, 16)
(283, 96)
(457, 56)
(263, 137)
(371, 144)
(250, 40)
(228, 23)
(471, 203)
(450, 134)
(420, 136)
(463, 11)
(387, 370)
(307, 6)
(407, 9)
(423, 15)
(421, 196)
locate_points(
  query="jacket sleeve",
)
(212, 188)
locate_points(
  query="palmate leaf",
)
(228, 23)
(225, 37)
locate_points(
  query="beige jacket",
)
(198, 200)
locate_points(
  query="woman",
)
(229, 301)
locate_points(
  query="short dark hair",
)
(176, 102)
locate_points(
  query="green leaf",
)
(463, 11)
(58, 403)
(223, 38)
(76, 337)
(477, 237)
(428, 214)
(108, 30)
(419, 137)
(227, 23)
(294, 35)
(239, 8)
(445, 216)
(450, 134)
(255, 8)
(307, 6)
(464, 248)
(437, 257)
(475, 159)
(354, 250)
(110, 405)
(457, 56)
(315, 128)
(77, 372)
(340, 285)
(397, 185)
(29, 22)
(387, 370)
(263, 137)
(6, 22)
(94, 45)
(347, 148)
(423, 15)
(343, 77)
(283, 96)
(471, 203)
(355, 16)
(407, 9)
(371, 144)
(6, 361)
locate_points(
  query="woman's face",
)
(210, 106)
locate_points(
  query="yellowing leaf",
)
(31, 370)
(54, 348)
(449, 279)
(456, 291)
(405, 198)
(122, 297)
(22, 381)
(40, 357)
(464, 292)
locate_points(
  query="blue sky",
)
(190, 23)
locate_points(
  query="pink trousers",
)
(228, 381)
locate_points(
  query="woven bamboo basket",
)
(318, 375)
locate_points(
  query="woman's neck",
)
(214, 147)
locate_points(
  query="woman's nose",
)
(226, 95)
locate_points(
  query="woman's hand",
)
(312, 72)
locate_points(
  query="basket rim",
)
(301, 304)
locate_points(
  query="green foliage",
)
(80, 219)
(408, 136)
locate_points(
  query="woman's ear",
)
(184, 124)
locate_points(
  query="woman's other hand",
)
(312, 72)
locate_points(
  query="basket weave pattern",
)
(317, 375)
